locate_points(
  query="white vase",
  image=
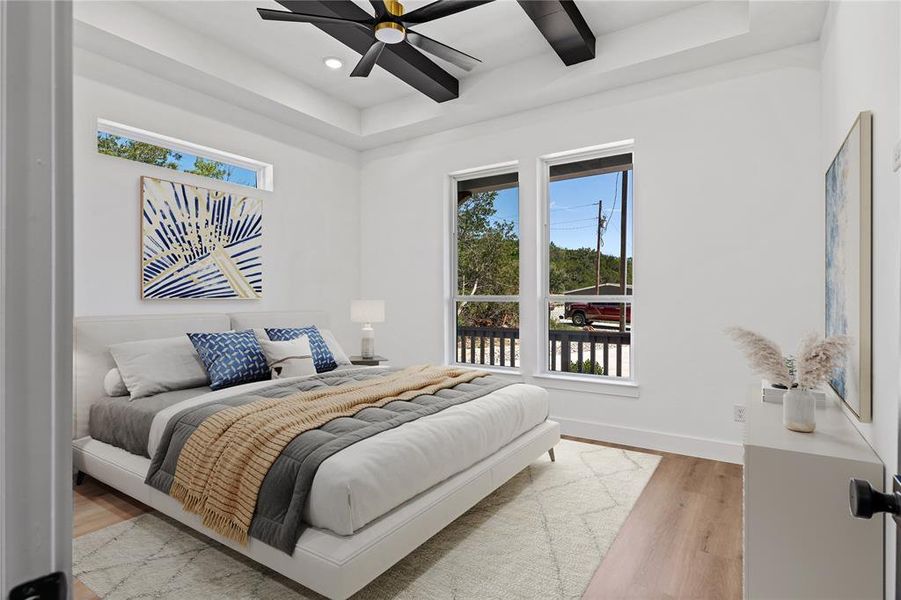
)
(799, 410)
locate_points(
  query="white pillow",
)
(291, 358)
(151, 367)
(113, 384)
(334, 347)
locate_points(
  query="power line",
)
(572, 228)
(600, 221)
(577, 220)
(613, 208)
(577, 206)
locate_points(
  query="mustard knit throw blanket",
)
(221, 468)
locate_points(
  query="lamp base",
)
(367, 342)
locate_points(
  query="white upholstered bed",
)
(350, 541)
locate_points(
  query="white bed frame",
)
(333, 565)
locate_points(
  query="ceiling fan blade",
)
(281, 15)
(439, 9)
(364, 67)
(436, 48)
(379, 7)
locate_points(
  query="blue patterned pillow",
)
(231, 357)
(322, 356)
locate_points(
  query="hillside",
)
(574, 268)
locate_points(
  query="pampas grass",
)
(764, 355)
(816, 359)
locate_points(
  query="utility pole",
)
(623, 263)
(597, 258)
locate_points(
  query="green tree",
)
(114, 145)
(488, 314)
(487, 262)
(210, 168)
(487, 248)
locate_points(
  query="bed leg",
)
(550, 453)
(79, 478)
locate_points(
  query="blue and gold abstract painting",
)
(848, 263)
(839, 210)
(199, 243)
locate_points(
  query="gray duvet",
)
(125, 423)
(278, 517)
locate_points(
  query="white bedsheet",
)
(372, 477)
(376, 475)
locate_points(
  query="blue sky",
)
(574, 211)
(507, 205)
(238, 174)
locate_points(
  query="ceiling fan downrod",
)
(391, 30)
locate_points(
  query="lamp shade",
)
(367, 311)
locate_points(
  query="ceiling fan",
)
(391, 26)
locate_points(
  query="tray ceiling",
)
(217, 46)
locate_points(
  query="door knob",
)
(866, 502)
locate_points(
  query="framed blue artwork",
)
(199, 243)
(849, 224)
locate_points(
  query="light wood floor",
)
(682, 539)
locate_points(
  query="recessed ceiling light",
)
(333, 63)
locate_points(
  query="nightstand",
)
(368, 362)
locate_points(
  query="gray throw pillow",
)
(334, 347)
(151, 367)
(113, 384)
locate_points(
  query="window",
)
(589, 264)
(485, 267)
(123, 141)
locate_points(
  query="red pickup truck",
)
(585, 313)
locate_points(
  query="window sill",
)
(594, 385)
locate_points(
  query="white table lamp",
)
(367, 312)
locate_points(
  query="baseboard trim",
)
(652, 440)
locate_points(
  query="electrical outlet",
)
(738, 413)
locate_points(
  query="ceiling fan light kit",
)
(390, 32)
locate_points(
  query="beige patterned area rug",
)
(541, 535)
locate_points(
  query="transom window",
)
(131, 143)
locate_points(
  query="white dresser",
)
(800, 540)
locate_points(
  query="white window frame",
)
(451, 295)
(544, 166)
(263, 170)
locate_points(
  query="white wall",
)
(310, 219)
(728, 230)
(860, 71)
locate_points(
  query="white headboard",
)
(285, 318)
(94, 336)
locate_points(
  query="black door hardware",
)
(48, 587)
(866, 502)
